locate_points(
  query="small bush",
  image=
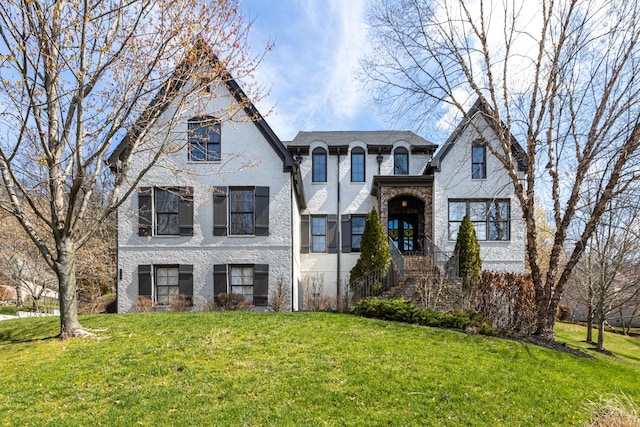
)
(233, 301)
(280, 296)
(342, 304)
(181, 303)
(103, 304)
(402, 310)
(144, 305)
(211, 305)
(563, 313)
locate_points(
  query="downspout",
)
(338, 227)
(293, 264)
(294, 202)
(118, 268)
(379, 159)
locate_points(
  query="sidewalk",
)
(23, 314)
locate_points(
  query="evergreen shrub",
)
(403, 310)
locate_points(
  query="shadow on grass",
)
(24, 331)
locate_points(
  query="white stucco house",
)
(233, 209)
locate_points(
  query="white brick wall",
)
(247, 160)
(454, 182)
(355, 198)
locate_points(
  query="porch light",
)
(404, 203)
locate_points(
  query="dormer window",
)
(478, 161)
(400, 161)
(204, 139)
(319, 166)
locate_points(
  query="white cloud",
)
(311, 70)
(343, 92)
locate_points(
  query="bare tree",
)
(607, 278)
(77, 77)
(560, 76)
(23, 265)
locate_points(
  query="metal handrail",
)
(396, 257)
(446, 263)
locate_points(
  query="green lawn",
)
(243, 368)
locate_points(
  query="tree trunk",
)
(19, 296)
(66, 272)
(600, 345)
(545, 321)
(589, 325)
(623, 324)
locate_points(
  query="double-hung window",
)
(167, 204)
(250, 280)
(357, 229)
(167, 284)
(241, 210)
(319, 165)
(318, 234)
(165, 211)
(490, 218)
(164, 284)
(241, 278)
(204, 139)
(357, 164)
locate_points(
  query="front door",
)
(403, 230)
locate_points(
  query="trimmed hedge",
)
(404, 310)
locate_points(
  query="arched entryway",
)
(406, 223)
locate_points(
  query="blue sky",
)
(310, 73)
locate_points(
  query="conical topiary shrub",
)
(374, 249)
(468, 251)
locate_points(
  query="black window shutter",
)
(219, 280)
(220, 211)
(262, 211)
(185, 280)
(332, 234)
(261, 285)
(186, 211)
(304, 234)
(144, 280)
(145, 211)
(346, 233)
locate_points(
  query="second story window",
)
(357, 165)
(357, 230)
(318, 234)
(400, 161)
(241, 211)
(167, 205)
(478, 161)
(165, 211)
(319, 165)
(204, 139)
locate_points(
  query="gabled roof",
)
(478, 108)
(180, 77)
(380, 141)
